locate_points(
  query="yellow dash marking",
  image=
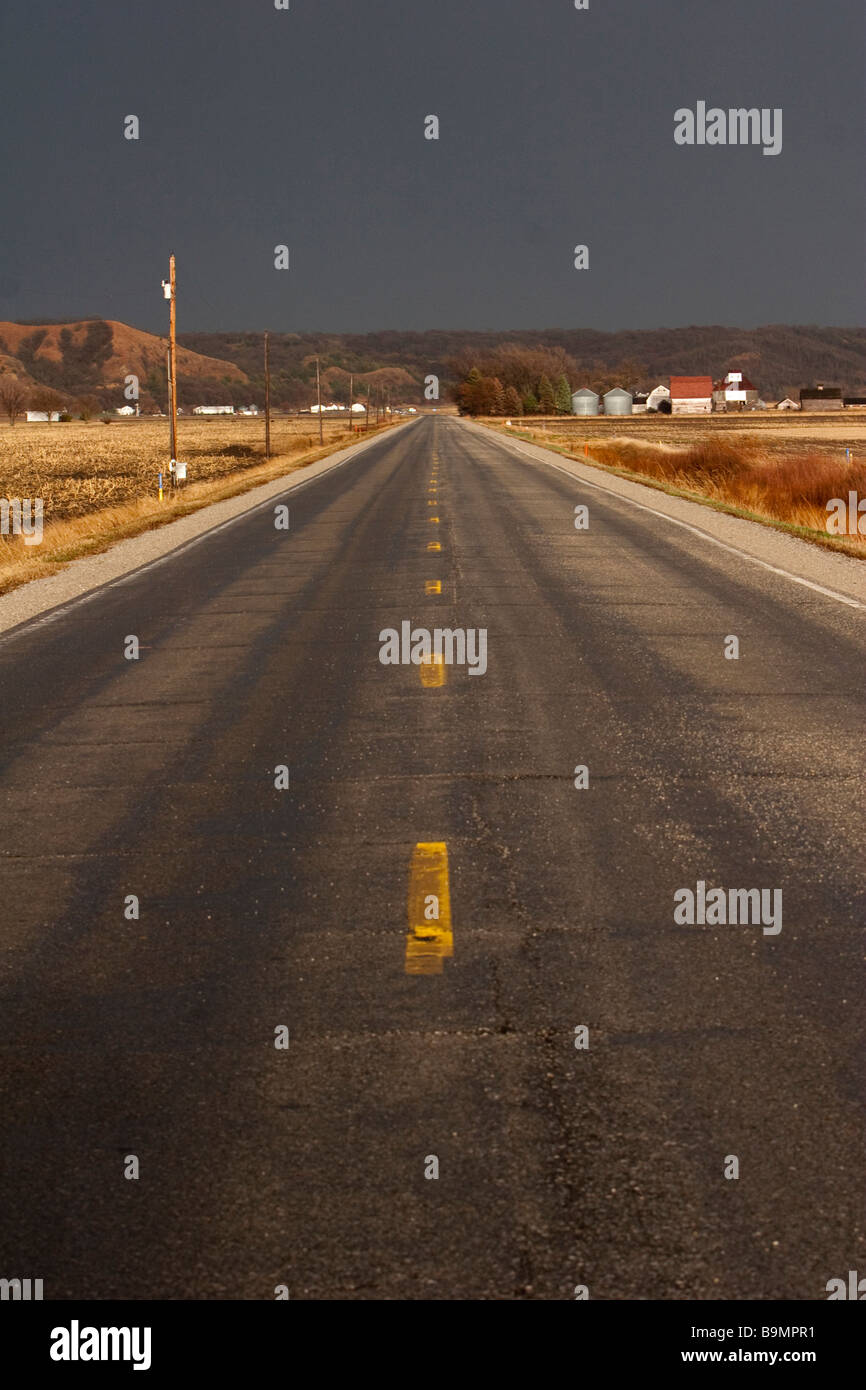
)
(433, 545)
(434, 519)
(433, 671)
(433, 586)
(430, 940)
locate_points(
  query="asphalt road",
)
(260, 908)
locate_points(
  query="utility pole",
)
(351, 398)
(367, 415)
(319, 395)
(267, 396)
(169, 289)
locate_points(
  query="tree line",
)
(518, 380)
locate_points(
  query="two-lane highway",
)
(270, 900)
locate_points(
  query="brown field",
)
(98, 482)
(773, 468)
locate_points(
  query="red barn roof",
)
(691, 388)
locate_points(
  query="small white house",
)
(249, 410)
(213, 410)
(42, 417)
(125, 410)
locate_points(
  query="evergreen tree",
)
(546, 399)
(563, 395)
(530, 403)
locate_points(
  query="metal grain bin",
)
(618, 402)
(584, 402)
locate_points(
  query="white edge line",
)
(66, 605)
(696, 530)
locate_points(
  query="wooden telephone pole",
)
(172, 354)
(267, 396)
(319, 396)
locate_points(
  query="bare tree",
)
(46, 399)
(13, 397)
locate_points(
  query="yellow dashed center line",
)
(430, 940)
(433, 545)
(433, 671)
(434, 519)
(433, 586)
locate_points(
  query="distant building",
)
(125, 410)
(821, 398)
(735, 392)
(854, 401)
(788, 404)
(42, 417)
(691, 395)
(249, 410)
(213, 410)
(639, 402)
(658, 395)
(618, 402)
(584, 402)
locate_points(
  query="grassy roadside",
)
(76, 537)
(843, 545)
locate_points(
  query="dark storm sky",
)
(305, 127)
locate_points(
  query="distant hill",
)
(91, 357)
(778, 358)
(94, 356)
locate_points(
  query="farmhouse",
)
(213, 410)
(735, 392)
(691, 395)
(820, 398)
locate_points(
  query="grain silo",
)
(584, 402)
(618, 402)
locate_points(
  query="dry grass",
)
(99, 483)
(782, 472)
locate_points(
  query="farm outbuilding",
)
(639, 402)
(735, 392)
(584, 402)
(43, 417)
(691, 395)
(657, 396)
(788, 404)
(821, 398)
(214, 410)
(617, 402)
